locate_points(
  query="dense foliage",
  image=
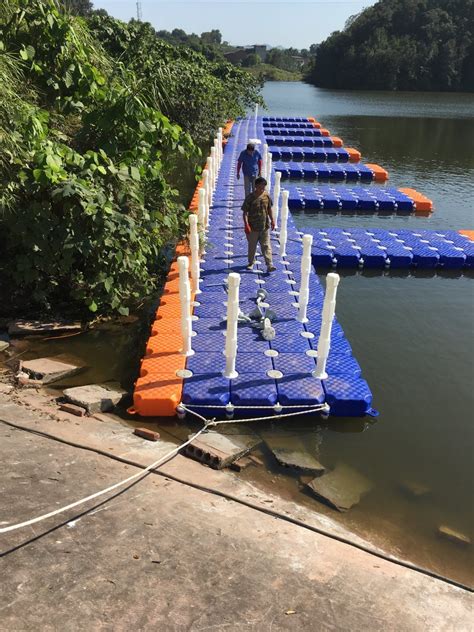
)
(401, 45)
(95, 118)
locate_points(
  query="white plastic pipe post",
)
(276, 197)
(230, 350)
(217, 155)
(305, 272)
(194, 246)
(185, 299)
(221, 138)
(284, 221)
(201, 216)
(205, 186)
(256, 111)
(264, 160)
(269, 171)
(214, 167)
(210, 177)
(324, 342)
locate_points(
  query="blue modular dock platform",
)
(271, 374)
(343, 198)
(380, 248)
(316, 171)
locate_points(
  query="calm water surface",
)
(412, 333)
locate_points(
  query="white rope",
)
(138, 475)
(214, 422)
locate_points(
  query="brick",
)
(241, 464)
(73, 409)
(256, 459)
(144, 433)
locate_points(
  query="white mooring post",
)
(269, 171)
(194, 246)
(305, 271)
(230, 350)
(264, 160)
(205, 186)
(185, 299)
(324, 342)
(276, 197)
(283, 225)
(214, 167)
(201, 209)
(220, 137)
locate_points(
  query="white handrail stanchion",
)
(217, 156)
(269, 172)
(214, 168)
(194, 246)
(324, 342)
(276, 197)
(256, 111)
(305, 272)
(264, 160)
(205, 186)
(185, 299)
(284, 220)
(201, 209)
(220, 138)
(210, 178)
(230, 350)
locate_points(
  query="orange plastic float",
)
(380, 174)
(354, 154)
(337, 142)
(315, 123)
(422, 203)
(468, 233)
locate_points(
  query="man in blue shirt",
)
(250, 161)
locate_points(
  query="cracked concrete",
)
(165, 556)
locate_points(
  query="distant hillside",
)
(401, 45)
(266, 72)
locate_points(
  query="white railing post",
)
(217, 156)
(264, 160)
(206, 187)
(194, 246)
(214, 167)
(324, 342)
(256, 112)
(185, 299)
(230, 350)
(303, 298)
(276, 197)
(284, 220)
(269, 171)
(202, 209)
(210, 179)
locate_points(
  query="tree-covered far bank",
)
(401, 45)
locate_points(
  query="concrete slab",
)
(291, 450)
(48, 370)
(95, 398)
(164, 556)
(220, 450)
(22, 327)
(342, 488)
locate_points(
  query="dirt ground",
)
(162, 555)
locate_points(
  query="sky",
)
(274, 22)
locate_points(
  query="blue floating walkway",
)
(257, 390)
(316, 171)
(343, 198)
(380, 248)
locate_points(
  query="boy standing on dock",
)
(258, 219)
(250, 161)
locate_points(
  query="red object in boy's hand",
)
(247, 228)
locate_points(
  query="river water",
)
(411, 333)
